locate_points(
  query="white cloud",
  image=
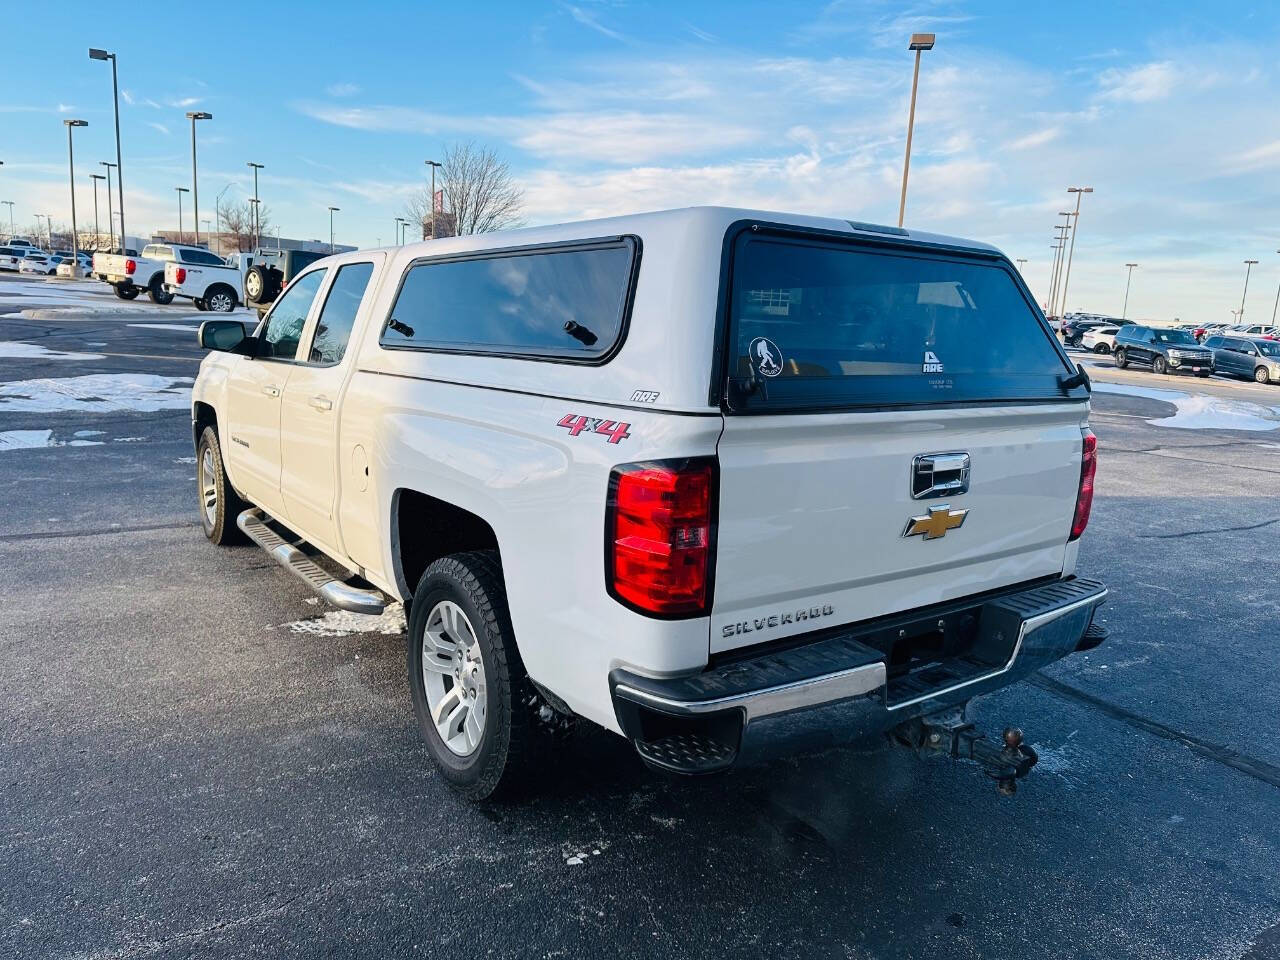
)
(1259, 158)
(158, 126)
(127, 96)
(1036, 139)
(1151, 81)
(591, 21)
(65, 107)
(342, 89)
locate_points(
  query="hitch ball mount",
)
(949, 734)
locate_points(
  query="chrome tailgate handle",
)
(939, 475)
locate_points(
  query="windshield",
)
(1268, 348)
(1175, 336)
(817, 323)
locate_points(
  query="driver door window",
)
(282, 329)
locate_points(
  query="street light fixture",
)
(1021, 262)
(332, 211)
(193, 116)
(1061, 232)
(400, 223)
(433, 165)
(1248, 265)
(96, 54)
(97, 233)
(257, 225)
(1079, 192)
(1125, 312)
(111, 220)
(1273, 309)
(919, 42)
(181, 191)
(9, 204)
(71, 170)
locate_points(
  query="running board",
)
(327, 587)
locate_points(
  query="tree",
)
(237, 223)
(479, 195)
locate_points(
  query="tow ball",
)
(949, 734)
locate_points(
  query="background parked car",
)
(1254, 330)
(1208, 330)
(1255, 357)
(1166, 350)
(11, 257)
(1100, 339)
(37, 263)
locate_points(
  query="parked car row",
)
(1264, 330)
(1255, 357)
(1073, 331)
(1163, 349)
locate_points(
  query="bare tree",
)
(237, 223)
(479, 195)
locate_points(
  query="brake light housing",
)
(180, 274)
(130, 266)
(1084, 495)
(660, 527)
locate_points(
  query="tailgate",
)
(900, 431)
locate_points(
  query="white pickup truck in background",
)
(212, 286)
(130, 275)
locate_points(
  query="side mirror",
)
(224, 335)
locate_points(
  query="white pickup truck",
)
(130, 275)
(724, 482)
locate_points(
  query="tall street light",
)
(9, 204)
(1021, 262)
(1079, 192)
(111, 219)
(71, 170)
(332, 211)
(1248, 265)
(181, 191)
(1048, 303)
(257, 225)
(48, 228)
(193, 116)
(1061, 232)
(1273, 309)
(433, 165)
(919, 43)
(1125, 312)
(400, 222)
(96, 54)
(97, 233)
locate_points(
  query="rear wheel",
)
(200, 304)
(221, 300)
(1261, 375)
(157, 293)
(1158, 365)
(1102, 348)
(471, 695)
(126, 292)
(1122, 358)
(219, 503)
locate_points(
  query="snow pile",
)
(1201, 412)
(97, 393)
(341, 623)
(33, 351)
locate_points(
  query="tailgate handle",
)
(939, 475)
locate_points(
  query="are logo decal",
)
(644, 396)
(765, 357)
(575, 424)
(931, 363)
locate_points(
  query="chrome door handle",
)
(321, 403)
(271, 391)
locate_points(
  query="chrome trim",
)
(1028, 626)
(926, 467)
(772, 700)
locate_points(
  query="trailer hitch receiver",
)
(949, 734)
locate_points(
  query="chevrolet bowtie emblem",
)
(936, 523)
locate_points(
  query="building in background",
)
(224, 244)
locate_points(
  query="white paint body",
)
(199, 280)
(148, 265)
(811, 510)
(1099, 335)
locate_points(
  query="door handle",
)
(321, 403)
(271, 391)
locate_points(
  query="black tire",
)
(1204, 373)
(129, 292)
(1261, 375)
(1159, 366)
(1101, 348)
(221, 527)
(157, 293)
(200, 304)
(1122, 358)
(220, 299)
(503, 755)
(255, 283)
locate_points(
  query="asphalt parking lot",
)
(196, 760)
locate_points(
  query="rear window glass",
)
(565, 302)
(827, 325)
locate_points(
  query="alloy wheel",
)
(453, 678)
(208, 487)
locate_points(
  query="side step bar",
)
(327, 587)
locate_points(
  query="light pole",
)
(1273, 309)
(332, 211)
(9, 204)
(193, 116)
(433, 165)
(1125, 312)
(96, 54)
(1079, 192)
(257, 225)
(111, 219)
(48, 228)
(1062, 231)
(1248, 265)
(919, 43)
(71, 170)
(400, 222)
(1048, 306)
(181, 191)
(97, 233)
(1021, 262)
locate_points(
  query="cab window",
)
(338, 315)
(283, 330)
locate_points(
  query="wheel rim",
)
(1260, 375)
(453, 678)
(220, 302)
(252, 286)
(208, 487)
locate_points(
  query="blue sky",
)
(1170, 112)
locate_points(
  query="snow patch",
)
(341, 623)
(1201, 412)
(97, 393)
(164, 326)
(15, 349)
(24, 439)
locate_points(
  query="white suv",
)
(719, 481)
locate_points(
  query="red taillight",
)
(1084, 499)
(658, 536)
(130, 266)
(180, 274)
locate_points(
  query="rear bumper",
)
(844, 686)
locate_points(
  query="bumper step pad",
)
(328, 587)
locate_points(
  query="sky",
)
(1171, 112)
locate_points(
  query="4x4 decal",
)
(616, 432)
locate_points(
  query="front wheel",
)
(1102, 348)
(470, 692)
(1159, 366)
(219, 503)
(1122, 358)
(1261, 375)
